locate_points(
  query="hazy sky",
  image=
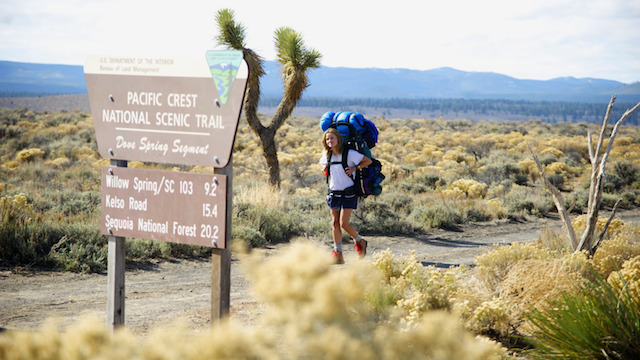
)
(526, 39)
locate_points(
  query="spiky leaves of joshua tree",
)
(295, 60)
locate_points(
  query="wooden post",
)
(221, 258)
(115, 274)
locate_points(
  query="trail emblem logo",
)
(224, 68)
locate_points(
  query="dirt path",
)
(158, 293)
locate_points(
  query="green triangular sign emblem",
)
(224, 68)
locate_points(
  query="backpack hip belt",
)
(350, 191)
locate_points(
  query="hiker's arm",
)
(361, 165)
(364, 163)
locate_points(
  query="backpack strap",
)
(345, 155)
(353, 133)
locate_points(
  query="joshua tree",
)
(295, 60)
(598, 159)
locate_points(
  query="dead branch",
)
(597, 176)
(557, 199)
(606, 227)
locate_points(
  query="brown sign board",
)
(167, 110)
(168, 206)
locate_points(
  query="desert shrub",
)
(308, 204)
(609, 200)
(557, 180)
(26, 239)
(400, 204)
(248, 236)
(598, 322)
(17, 245)
(69, 202)
(260, 194)
(530, 283)
(518, 205)
(613, 252)
(436, 216)
(494, 266)
(79, 247)
(29, 154)
(626, 171)
(492, 318)
(496, 173)
(628, 278)
(377, 217)
(420, 183)
(273, 224)
(522, 201)
(419, 289)
(468, 188)
(145, 249)
(473, 214)
(616, 226)
(613, 183)
(630, 198)
(553, 240)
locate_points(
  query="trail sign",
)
(167, 110)
(164, 205)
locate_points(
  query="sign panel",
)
(164, 205)
(167, 110)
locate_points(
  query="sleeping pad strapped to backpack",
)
(359, 134)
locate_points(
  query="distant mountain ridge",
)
(448, 83)
(22, 79)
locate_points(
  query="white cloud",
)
(536, 39)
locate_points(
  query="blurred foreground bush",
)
(315, 311)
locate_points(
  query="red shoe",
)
(337, 257)
(361, 248)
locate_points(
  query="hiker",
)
(341, 198)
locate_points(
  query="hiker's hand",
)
(350, 170)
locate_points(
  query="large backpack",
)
(361, 135)
(363, 126)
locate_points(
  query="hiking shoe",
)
(361, 248)
(337, 257)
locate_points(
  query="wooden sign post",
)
(221, 258)
(115, 274)
(175, 111)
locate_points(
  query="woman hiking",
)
(341, 198)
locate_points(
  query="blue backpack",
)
(358, 134)
(364, 127)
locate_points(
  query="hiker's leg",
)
(345, 215)
(336, 231)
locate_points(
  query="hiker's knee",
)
(345, 224)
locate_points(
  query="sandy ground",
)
(158, 293)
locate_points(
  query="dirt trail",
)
(158, 293)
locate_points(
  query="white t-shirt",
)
(338, 179)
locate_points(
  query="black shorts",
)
(342, 201)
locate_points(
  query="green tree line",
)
(544, 110)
